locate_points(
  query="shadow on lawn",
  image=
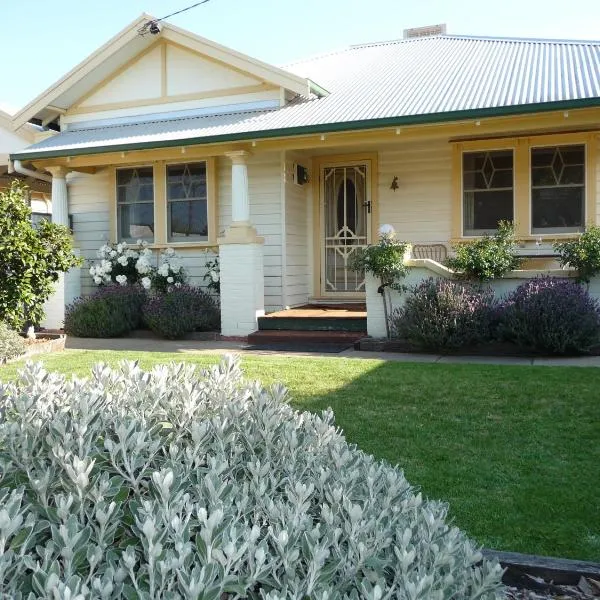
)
(513, 450)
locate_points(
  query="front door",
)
(346, 226)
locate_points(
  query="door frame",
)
(340, 160)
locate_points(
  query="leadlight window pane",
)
(135, 204)
(487, 190)
(187, 201)
(558, 189)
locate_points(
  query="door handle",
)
(368, 205)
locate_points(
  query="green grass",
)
(514, 450)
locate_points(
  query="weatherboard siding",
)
(89, 207)
(421, 208)
(297, 269)
(90, 210)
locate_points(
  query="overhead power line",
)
(153, 27)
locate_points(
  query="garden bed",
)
(43, 343)
(370, 344)
(531, 577)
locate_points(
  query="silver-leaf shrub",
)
(180, 484)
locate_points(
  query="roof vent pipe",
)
(16, 166)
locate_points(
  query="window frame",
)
(175, 163)
(161, 205)
(462, 187)
(116, 200)
(533, 146)
(521, 147)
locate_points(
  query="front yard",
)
(514, 450)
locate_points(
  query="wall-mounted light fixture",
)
(394, 185)
(301, 174)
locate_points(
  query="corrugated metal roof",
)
(417, 80)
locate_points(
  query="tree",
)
(31, 260)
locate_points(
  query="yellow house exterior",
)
(299, 170)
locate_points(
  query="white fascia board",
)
(48, 96)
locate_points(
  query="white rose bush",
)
(146, 285)
(213, 275)
(170, 273)
(180, 484)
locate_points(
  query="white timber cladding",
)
(141, 81)
(170, 78)
(189, 73)
(296, 203)
(264, 182)
(421, 208)
(88, 203)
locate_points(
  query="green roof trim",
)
(324, 128)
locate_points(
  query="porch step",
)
(305, 337)
(338, 317)
(312, 324)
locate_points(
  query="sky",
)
(41, 41)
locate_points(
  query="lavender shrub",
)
(112, 311)
(551, 316)
(179, 311)
(442, 315)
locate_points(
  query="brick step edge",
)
(560, 571)
(308, 337)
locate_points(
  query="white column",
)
(241, 259)
(240, 197)
(55, 305)
(60, 195)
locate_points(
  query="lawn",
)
(514, 450)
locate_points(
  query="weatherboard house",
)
(286, 172)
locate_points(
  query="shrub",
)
(182, 310)
(111, 311)
(169, 274)
(439, 314)
(11, 343)
(175, 484)
(125, 264)
(488, 257)
(551, 315)
(31, 259)
(582, 254)
(384, 260)
(213, 275)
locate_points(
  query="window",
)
(487, 190)
(135, 204)
(187, 202)
(558, 189)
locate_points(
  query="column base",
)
(242, 282)
(241, 233)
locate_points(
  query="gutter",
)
(16, 166)
(322, 128)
